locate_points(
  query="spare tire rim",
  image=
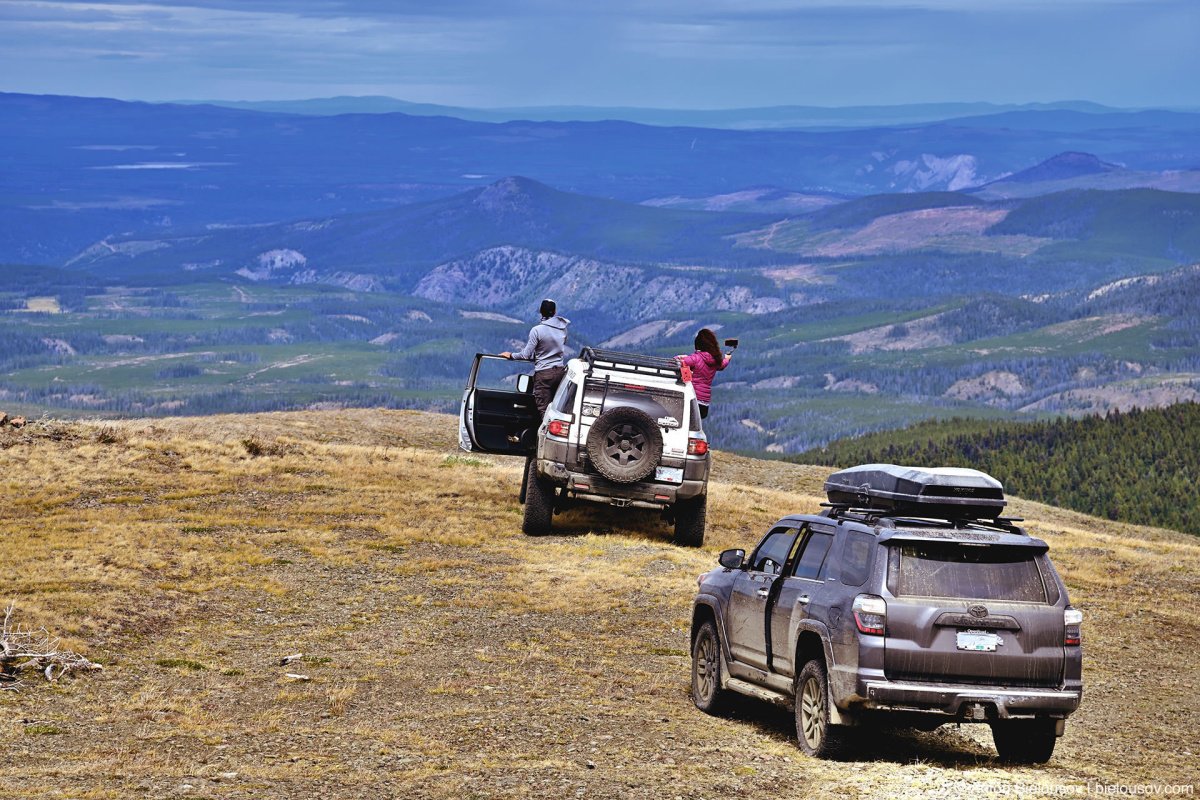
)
(625, 443)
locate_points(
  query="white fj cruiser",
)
(622, 430)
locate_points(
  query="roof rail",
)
(871, 516)
(631, 362)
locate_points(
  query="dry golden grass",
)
(447, 655)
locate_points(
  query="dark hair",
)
(706, 342)
(548, 308)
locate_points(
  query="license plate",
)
(669, 474)
(978, 642)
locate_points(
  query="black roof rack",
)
(631, 362)
(889, 517)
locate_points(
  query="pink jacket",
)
(704, 369)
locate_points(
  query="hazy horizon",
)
(707, 55)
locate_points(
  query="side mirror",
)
(524, 383)
(732, 559)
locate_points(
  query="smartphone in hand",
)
(731, 343)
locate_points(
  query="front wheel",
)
(690, 517)
(707, 693)
(539, 504)
(525, 480)
(817, 736)
(1024, 741)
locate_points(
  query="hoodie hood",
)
(557, 322)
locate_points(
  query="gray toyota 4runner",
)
(909, 599)
(622, 430)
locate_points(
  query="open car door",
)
(498, 414)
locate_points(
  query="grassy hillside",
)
(1140, 466)
(1135, 222)
(444, 655)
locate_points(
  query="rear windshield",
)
(947, 569)
(662, 405)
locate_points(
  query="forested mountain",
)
(80, 169)
(1140, 466)
(219, 259)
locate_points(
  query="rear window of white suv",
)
(975, 572)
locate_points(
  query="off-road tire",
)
(525, 480)
(690, 516)
(707, 693)
(1024, 741)
(539, 504)
(817, 736)
(624, 445)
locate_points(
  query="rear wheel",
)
(817, 736)
(1024, 741)
(690, 516)
(707, 693)
(539, 504)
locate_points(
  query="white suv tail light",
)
(870, 614)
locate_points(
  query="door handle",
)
(803, 599)
(764, 591)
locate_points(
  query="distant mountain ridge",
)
(82, 169)
(399, 245)
(767, 117)
(1062, 167)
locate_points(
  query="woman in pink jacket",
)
(705, 363)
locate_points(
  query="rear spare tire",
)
(624, 445)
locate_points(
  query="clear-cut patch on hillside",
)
(1157, 392)
(990, 386)
(918, 334)
(958, 229)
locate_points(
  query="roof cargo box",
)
(944, 492)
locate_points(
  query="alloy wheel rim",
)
(705, 667)
(812, 713)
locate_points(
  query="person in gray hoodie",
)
(545, 349)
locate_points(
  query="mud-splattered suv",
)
(623, 430)
(907, 597)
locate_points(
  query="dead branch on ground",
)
(24, 650)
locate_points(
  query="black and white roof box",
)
(942, 492)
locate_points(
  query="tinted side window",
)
(775, 549)
(565, 401)
(856, 558)
(813, 555)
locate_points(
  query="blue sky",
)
(651, 53)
